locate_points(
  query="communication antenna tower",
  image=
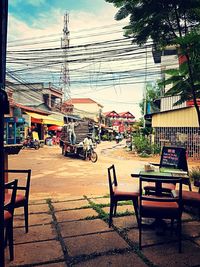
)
(65, 68)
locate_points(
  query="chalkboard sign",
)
(174, 157)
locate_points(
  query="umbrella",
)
(55, 128)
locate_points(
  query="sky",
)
(38, 24)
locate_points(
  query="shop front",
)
(39, 124)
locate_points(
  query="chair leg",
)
(6, 238)
(26, 217)
(115, 209)
(135, 205)
(111, 212)
(140, 232)
(179, 235)
(10, 239)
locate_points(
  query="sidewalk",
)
(75, 232)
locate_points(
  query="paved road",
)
(54, 175)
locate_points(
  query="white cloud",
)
(51, 22)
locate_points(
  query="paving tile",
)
(83, 227)
(168, 256)
(38, 208)
(70, 205)
(128, 259)
(123, 208)
(191, 229)
(34, 219)
(125, 221)
(58, 264)
(64, 198)
(36, 252)
(33, 201)
(197, 240)
(149, 237)
(71, 215)
(186, 216)
(35, 233)
(101, 200)
(88, 244)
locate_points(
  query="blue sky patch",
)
(29, 10)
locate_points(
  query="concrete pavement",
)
(75, 232)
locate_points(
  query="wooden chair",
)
(160, 207)
(192, 199)
(8, 216)
(118, 193)
(23, 197)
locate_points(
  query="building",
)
(120, 122)
(175, 125)
(85, 107)
(31, 105)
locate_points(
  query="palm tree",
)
(185, 81)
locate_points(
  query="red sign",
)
(190, 103)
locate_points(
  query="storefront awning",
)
(45, 119)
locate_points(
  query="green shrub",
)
(104, 137)
(142, 145)
(195, 174)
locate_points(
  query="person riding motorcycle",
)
(87, 144)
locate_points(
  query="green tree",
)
(165, 22)
(152, 92)
(159, 20)
(185, 81)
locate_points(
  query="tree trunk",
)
(193, 88)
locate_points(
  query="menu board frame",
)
(174, 157)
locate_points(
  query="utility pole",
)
(145, 88)
(65, 67)
(4, 109)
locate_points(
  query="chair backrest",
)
(27, 175)
(112, 178)
(11, 186)
(175, 197)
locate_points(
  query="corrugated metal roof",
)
(82, 101)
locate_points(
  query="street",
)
(54, 175)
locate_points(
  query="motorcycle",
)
(90, 154)
(79, 152)
(30, 143)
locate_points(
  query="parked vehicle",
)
(30, 143)
(79, 152)
(84, 147)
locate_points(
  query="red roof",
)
(126, 115)
(82, 101)
(111, 114)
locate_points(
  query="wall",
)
(185, 117)
(90, 107)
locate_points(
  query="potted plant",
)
(195, 176)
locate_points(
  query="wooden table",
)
(169, 173)
(165, 175)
